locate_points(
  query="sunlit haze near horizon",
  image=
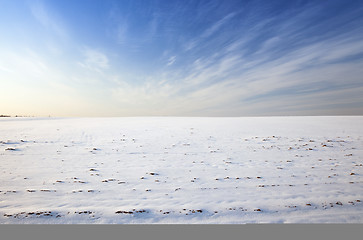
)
(88, 58)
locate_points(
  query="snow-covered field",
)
(181, 170)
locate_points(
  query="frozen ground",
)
(181, 170)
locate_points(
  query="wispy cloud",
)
(47, 18)
(121, 32)
(94, 60)
(27, 62)
(217, 26)
(213, 29)
(171, 60)
(5, 69)
(119, 26)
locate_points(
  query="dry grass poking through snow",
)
(181, 170)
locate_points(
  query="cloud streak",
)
(94, 60)
(171, 60)
(47, 18)
(287, 78)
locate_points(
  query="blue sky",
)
(181, 58)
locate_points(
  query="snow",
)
(181, 170)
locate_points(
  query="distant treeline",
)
(14, 116)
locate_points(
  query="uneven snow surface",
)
(181, 170)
